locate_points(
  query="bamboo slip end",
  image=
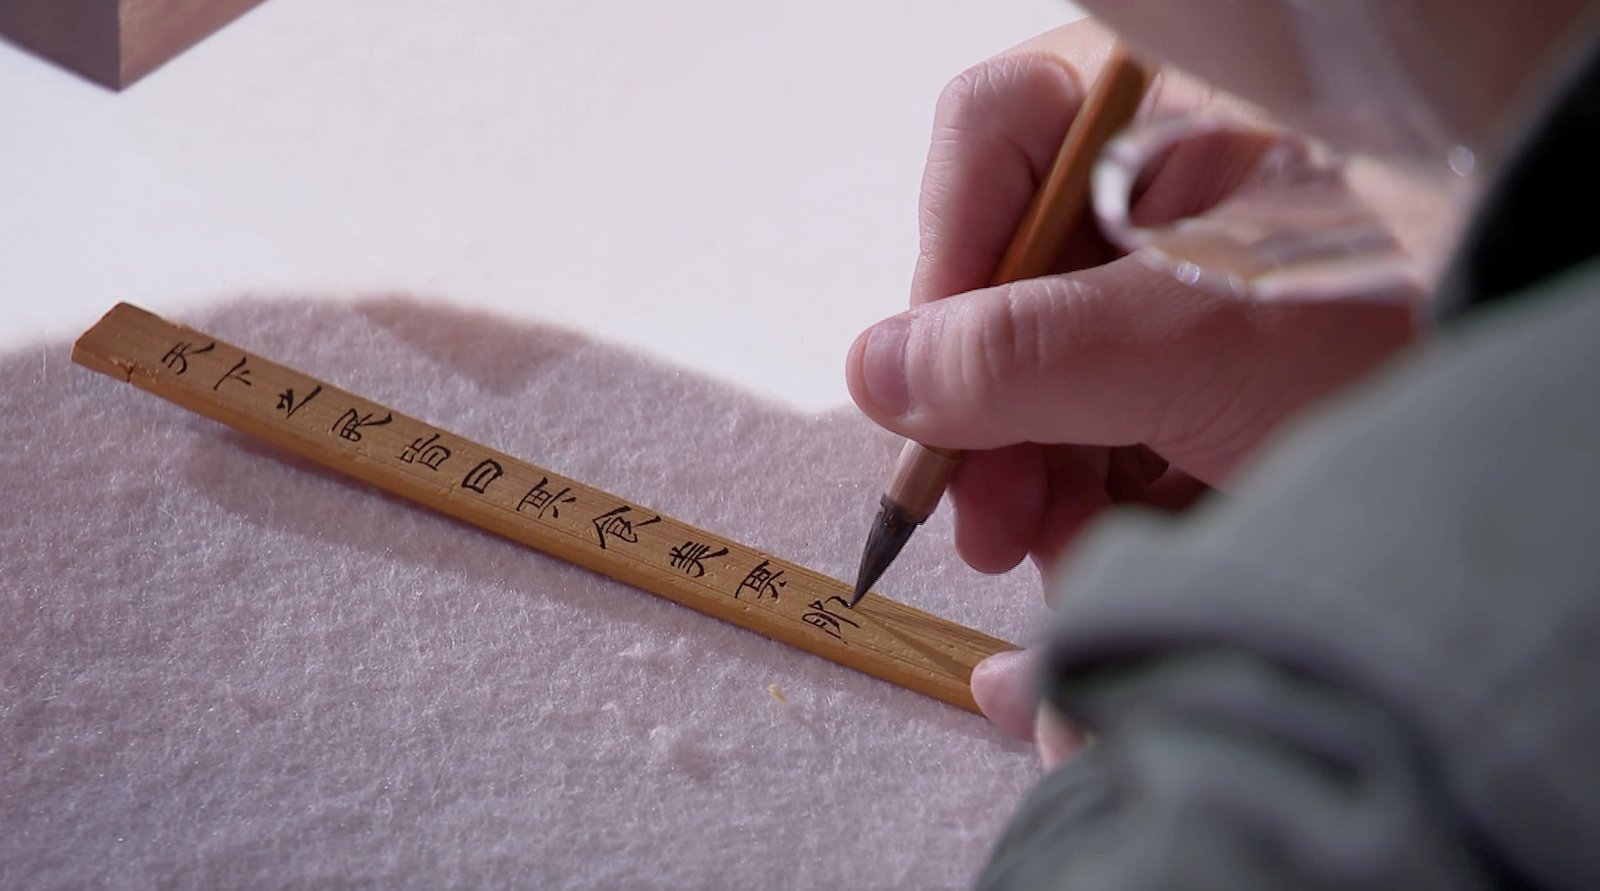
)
(97, 349)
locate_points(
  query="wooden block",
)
(114, 42)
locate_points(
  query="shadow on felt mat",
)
(496, 355)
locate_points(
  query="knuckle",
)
(965, 92)
(981, 98)
(997, 349)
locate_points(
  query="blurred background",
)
(726, 185)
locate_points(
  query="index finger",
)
(997, 131)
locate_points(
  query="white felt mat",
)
(223, 667)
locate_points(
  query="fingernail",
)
(1054, 736)
(1006, 660)
(883, 365)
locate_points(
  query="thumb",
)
(1087, 358)
(1114, 355)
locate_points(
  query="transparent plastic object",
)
(1292, 229)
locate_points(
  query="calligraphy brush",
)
(922, 472)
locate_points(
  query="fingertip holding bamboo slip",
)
(922, 472)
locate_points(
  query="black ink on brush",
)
(890, 532)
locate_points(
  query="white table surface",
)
(729, 186)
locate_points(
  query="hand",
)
(1080, 390)
(1160, 389)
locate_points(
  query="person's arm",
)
(1374, 667)
(1219, 770)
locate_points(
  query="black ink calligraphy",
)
(612, 523)
(238, 373)
(349, 424)
(542, 499)
(427, 452)
(830, 622)
(287, 404)
(177, 358)
(688, 557)
(479, 478)
(763, 581)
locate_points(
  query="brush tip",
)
(890, 532)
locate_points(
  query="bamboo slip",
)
(537, 507)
